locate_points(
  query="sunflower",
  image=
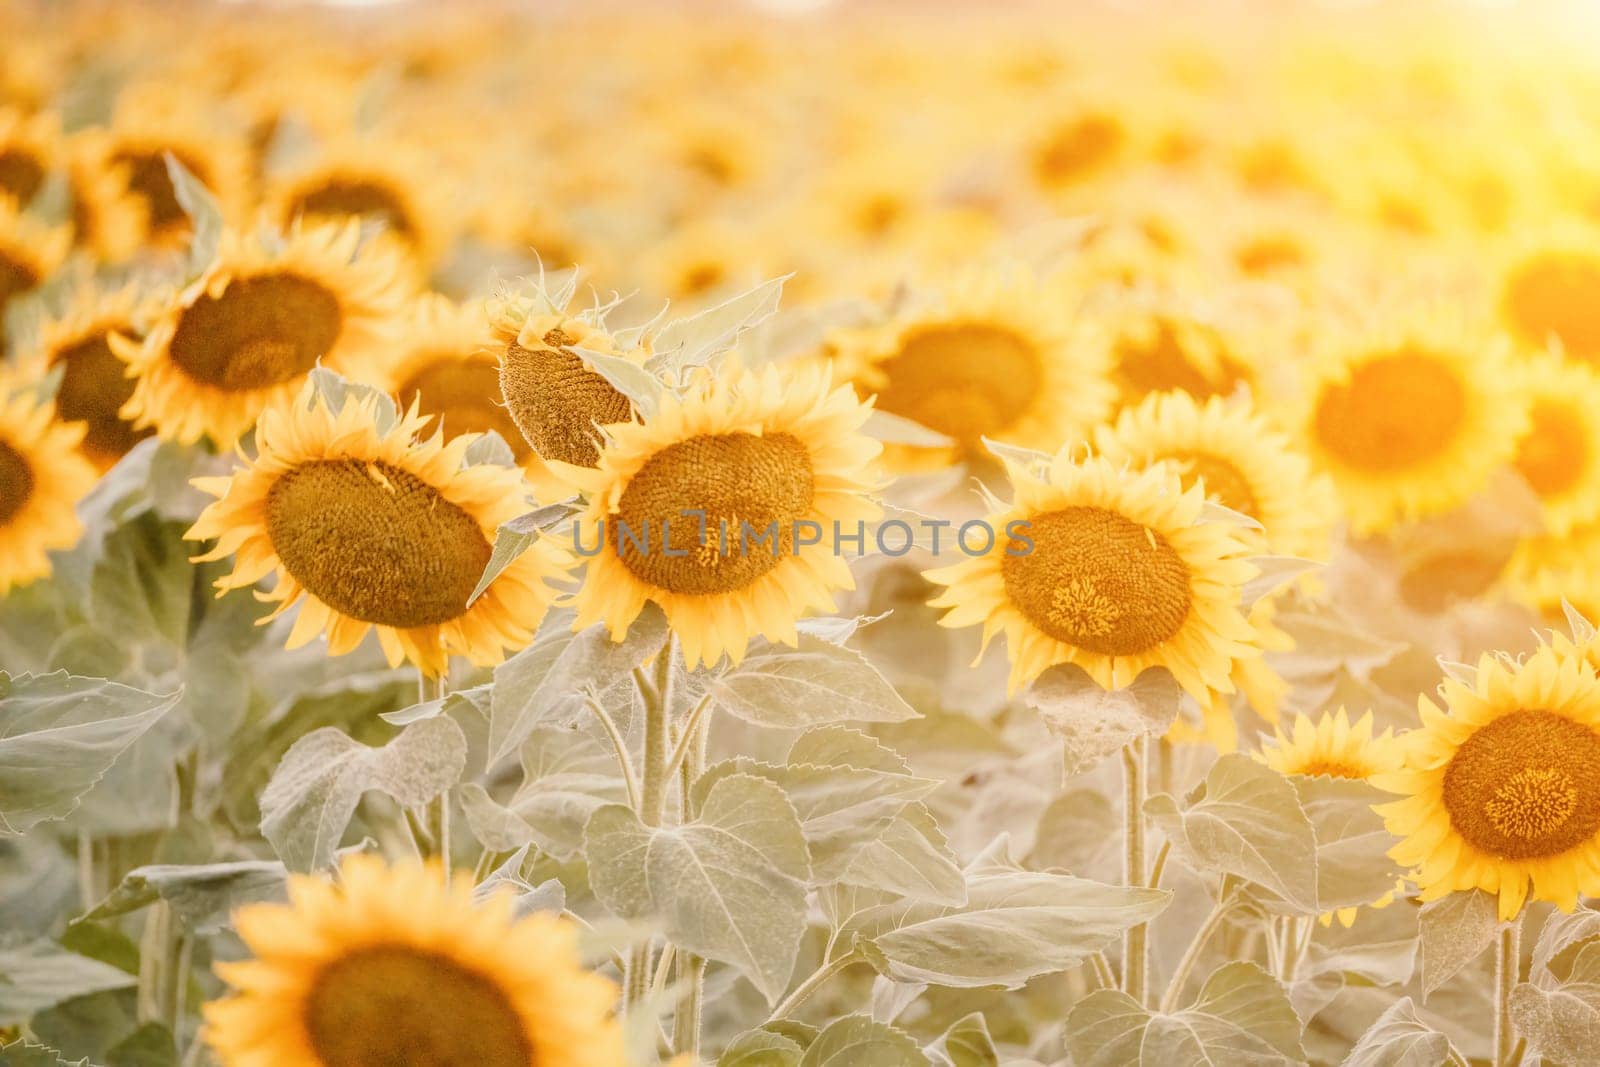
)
(30, 252)
(108, 220)
(1112, 570)
(250, 329)
(42, 478)
(765, 458)
(1162, 342)
(1549, 291)
(994, 356)
(557, 404)
(1500, 787)
(138, 143)
(377, 529)
(94, 383)
(1333, 747)
(446, 365)
(397, 966)
(373, 180)
(1546, 569)
(29, 150)
(1410, 420)
(1079, 147)
(1243, 462)
(1559, 456)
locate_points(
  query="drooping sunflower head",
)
(379, 182)
(42, 478)
(1411, 420)
(1334, 747)
(556, 401)
(1549, 292)
(766, 459)
(397, 966)
(1559, 455)
(94, 379)
(1242, 462)
(371, 527)
(251, 329)
(994, 357)
(1502, 786)
(30, 252)
(1112, 570)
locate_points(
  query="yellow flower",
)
(42, 478)
(1500, 787)
(1559, 455)
(992, 356)
(94, 379)
(29, 252)
(1111, 570)
(1410, 421)
(396, 966)
(1549, 292)
(377, 528)
(106, 219)
(1160, 343)
(768, 458)
(249, 330)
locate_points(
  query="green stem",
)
(809, 986)
(1507, 971)
(690, 759)
(629, 780)
(86, 886)
(656, 692)
(1135, 949)
(1197, 944)
(153, 944)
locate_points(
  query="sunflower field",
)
(799, 534)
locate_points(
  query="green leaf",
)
(1455, 929)
(1078, 831)
(314, 792)
(966, 1044)
(335, 390)
(40, 974)
(566, 776)
(205, 214)
(729, 886)
(761, 1048)
(642, 388)
(1560, 1025)
(1014, 926)
(151, 1045)
(695, 340)
(1400, 1039)
(1245, 820)
(911, 858)
(547, 681)
(1243, 1017)
(202, 896)
(1353, 866)
(898, 430)
(1094, 722)
(490, 448)
(813, 684)
(28, 1054)
(855, 1041)
(515, 537)
(497, 828)
(59, 735)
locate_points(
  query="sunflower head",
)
(1550, 293)
(1112, 570)
(396, 965)
(990, 357)
(29, 150)
(251, 329)
(1159, 344)
(377, 528)
(1559, 454)
(764, 460)
(30, 252)
(1411, 421)
(42, 478)
(1500, 785)
(1333, 747)
(142, 135)
(556, 401)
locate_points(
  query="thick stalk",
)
(1135, 948)
(656, 693)
(154, 942)
(1507, 971)
(691, 969)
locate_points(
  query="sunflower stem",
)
(689, 757)
(655, 690)
(809, 986)
(86, 887)
(1135, 980)
(1507, 971)
(630, 780)
(1197, 944)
